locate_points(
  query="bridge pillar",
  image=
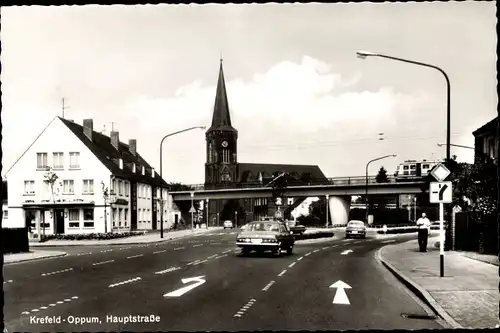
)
(339, 207)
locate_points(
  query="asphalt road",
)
(102, 285)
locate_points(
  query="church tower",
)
(221, 137)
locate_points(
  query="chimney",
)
(88, 127)
(115, 140)
(152, 173)
(132, 146)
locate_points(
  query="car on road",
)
(355, 228)
(295, 228)
(228, 224)
(263, 236)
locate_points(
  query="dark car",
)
(355, 229)
(263, 236)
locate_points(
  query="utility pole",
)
(64, 107)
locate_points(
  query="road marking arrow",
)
(340, 295)
(346, 252)
(179, 292)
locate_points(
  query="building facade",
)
(222, 170)
(486, 140)
(73, 180)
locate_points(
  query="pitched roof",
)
(221, 119)
(102, 148)
(488, 127)
(268, 170)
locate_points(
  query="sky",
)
(297, 92)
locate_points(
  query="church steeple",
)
(221, 119)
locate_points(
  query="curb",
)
(418, 290)
(97, 243)
(33, 259)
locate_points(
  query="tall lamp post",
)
(327, 204)
(460, 146)
(161, 170)
(364, 54)
(207, 213)
(366, 179)
(192, 211)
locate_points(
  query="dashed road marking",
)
(83, 254)
(103, 251)
(300, 258)
(124, 282)
(156, 252)
(221, 256)
(316, 251)
(200, 262)
(227, 251)
(212, 256)
(179, 248)
(244, 308)
(67, 300)
(216, 243)
(57, 272)
(324, 248)
(388, 241)
(266, 288)
(197, 245)
(8, 281)
(136, 256)
(292, 264)
(193, 262)
(102, 262)
(282, 272)
(307, 254)
(171, 269)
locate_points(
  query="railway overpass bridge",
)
(338, 191)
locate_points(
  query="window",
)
(74, 160)
(88, 186)
(41, 161)
(425, 166)
(148, 192)
(88, 218)
(149, 215)
(5, 214)
(120, 216)
(139, 215)
(412, 167)
(405, 173)
(68, 186)
(225, 156)
(405, 167)
(113, 186)
(125, 216)
(58, 160)
(127, 189)
(491, 148)
(290, 201)
(74, 218)
(29, 187)
(114, 217)
(210, 153)
(120, 187)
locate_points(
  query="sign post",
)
(440, 192)
(192, 211)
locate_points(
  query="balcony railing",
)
(356, 180)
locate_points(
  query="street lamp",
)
(327, 204)
(207, 213)
(192, 211)
(364, 54)
(460, 146)
(366, 179)
(161, 170)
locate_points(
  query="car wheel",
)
(289, 250)
(277, 251)
(245, 250)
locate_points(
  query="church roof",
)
(254, 170)
(221, 119)
(101, 147)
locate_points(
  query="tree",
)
(50, 178)
(382, 176)
(177, 187)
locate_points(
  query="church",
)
(222, 170)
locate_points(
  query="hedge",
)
(93, 236)
(321, 234)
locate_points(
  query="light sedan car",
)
(228, 224)
(263, 236)
(355, 229)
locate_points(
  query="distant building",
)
(83, 160)
(5, 211)
(222, 169)
(486, 141)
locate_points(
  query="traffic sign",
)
(440, 192)
(192, 210)
(277, 214)
(440, 172)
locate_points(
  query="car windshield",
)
(262, 226)
(356, 224)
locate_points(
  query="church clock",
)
(224, 144)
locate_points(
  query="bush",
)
(321, 234)
(94, 236)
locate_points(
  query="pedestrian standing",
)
(423, 225)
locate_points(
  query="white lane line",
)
(291, 265)
(102, 262)
(282, 272)
(57, 272)
(388, 241)
(216, 243)
(179, 248)
(45, 307)
(103, 251)
(244, 308)
(300, 258)
(156, 252)
(171, 269)
(227, 251)
(124, 282)
(212, 256)
(324, 248)
(266, 288)
(307, 254)
(193, 262)
(197, 245)
(221, 256)
(83, 254)
(9, 281)
(200, 262)
(316, 251)
(136, 256)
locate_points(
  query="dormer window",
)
(143, 171)
(152, 173)
(120, 163)
(133, 167)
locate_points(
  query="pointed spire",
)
(221, 118)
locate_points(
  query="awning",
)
(49, 205)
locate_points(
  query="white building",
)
(85, 162)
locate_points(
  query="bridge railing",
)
(356, 180)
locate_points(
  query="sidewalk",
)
(151, 237)
(466, 297)
(32, 255)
